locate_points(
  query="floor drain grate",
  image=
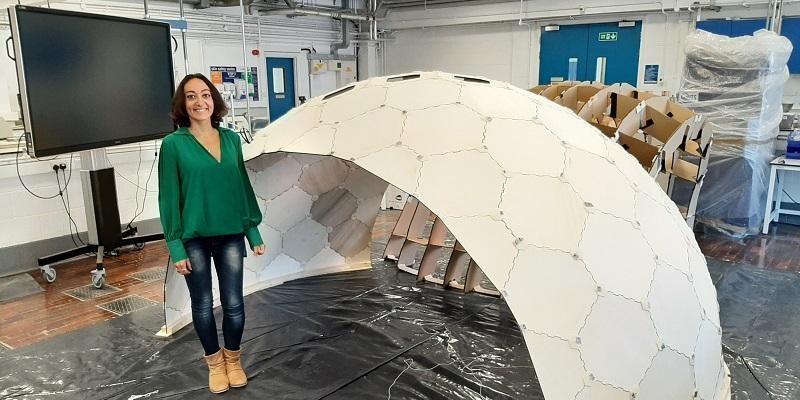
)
(89, 292)
(150, 275)
(127, 305)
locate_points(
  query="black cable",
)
(19, 142)
(71, 221)
(68, 178)
(146, 183)
(136, 194)
(749, 368)
(126, 179)
(66, 208)
(69, 206)
(166, 278)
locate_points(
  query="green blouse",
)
(199, 196)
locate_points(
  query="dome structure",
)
(605, 279)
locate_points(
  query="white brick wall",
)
(499, 51)
(26, 218)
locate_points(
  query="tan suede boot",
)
(233, 364)
(217, 374)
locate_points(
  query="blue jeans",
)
(228, 253)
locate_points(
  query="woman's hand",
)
(184, 267)
(260, 250)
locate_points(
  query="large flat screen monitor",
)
(89, 81)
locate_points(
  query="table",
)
(777, 174)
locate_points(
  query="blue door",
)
(280, 84)
(585, 44)
(732, 28)
(558, 48)
(790, 27)
(620, 48)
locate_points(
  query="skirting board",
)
(23, 257)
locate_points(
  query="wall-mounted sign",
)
(608, 36)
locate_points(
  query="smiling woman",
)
(207, 208)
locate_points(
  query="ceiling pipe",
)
(345, 43)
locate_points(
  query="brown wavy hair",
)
(179, 115)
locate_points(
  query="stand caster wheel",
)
(98, 278)
(138, 245)
(48, 273)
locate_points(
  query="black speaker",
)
(105, 207)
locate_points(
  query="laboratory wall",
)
(33, 227)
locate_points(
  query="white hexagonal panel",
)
(318, 140)
(612, 195)
(261, 162)
(531, 202)
(421, 93)
(449, 179)
(662, 234)
(405, 166)
(617, 256)
(349, 238)
(553, 292)
(296, 124)
(323, 175)
(627, 165)
(288, 209)
(558, 364)
(274, 242)
(368, 133)
(324, 259)
(351, 103)
(491, 243)
(334, 207)
(277, 179)
(363, 184)
(635, 173)
(498, 103)
(281, 267)
(619, 348)
(599, 391)
(305, 240)
(669, 378)
(575, 132)
(707, 363)
(505, 137)
(618, 342)
(366, 209)
(428, 133)
(703, 286)
(307, 159)
(675, 309)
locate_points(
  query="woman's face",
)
(199, 104)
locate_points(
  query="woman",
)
(207, 207)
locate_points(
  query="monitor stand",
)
(102, 219)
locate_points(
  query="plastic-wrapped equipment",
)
(737, 83)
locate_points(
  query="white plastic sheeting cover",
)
(603, 275)
(737, 83)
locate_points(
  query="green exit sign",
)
(608, 36)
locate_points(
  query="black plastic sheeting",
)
(760, 315)
(363, 335)
(377, 335)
